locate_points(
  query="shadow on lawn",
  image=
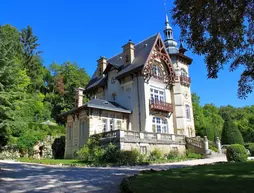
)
(37, 178)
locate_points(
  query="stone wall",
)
(42, 149)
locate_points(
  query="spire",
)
(169, 41)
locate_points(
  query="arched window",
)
(157, 73)
(159, 125)
(184, 73)
(188, 115)
(81, 131)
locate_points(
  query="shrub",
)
(156, 154)
(236, 153)
(174, 154)
(129, 157)
(250, 146)
(214, 149)
(111, 154)
(58, 147)
(84, 154)
(192, 155)
(230, 133)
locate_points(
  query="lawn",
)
(217, 178)
(53, 161)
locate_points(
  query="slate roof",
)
(99, 104)
(142, 51)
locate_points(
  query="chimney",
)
(128, 51)
(79, 97)
(102, 64)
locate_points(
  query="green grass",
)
(217, 178)
(54, 161)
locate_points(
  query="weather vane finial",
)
(165, 6)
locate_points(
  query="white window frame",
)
(160, 125)
(157, 95)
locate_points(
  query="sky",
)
(81, 31)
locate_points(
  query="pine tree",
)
(230, 133)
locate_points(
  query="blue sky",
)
(82, 31)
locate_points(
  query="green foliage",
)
(222, 31)
(236, 153)
(250, 147)
(173, 154)
(192, 155)
(29, 92)
(112, 154)
(58, 147)
(156, 154)
(91, 152)
(230, 133)
(129, 157)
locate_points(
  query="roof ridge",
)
(137, 44)
(147, 38)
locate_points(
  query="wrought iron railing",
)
(161, 106)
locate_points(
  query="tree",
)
(198, 113)
(66, 79)
(223, 31)
(230, 133)
(13, 80)
(31, 59)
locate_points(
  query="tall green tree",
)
(230, 133)
(31, 59)
(13, 80)
(222, 31)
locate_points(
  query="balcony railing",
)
(185, 80)
(161, 106)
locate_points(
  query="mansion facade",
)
(139, 98)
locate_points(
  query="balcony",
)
(161, 106)
(184, 80)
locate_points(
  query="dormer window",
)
(157, 73)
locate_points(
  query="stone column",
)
(206, 144)
(218, 144)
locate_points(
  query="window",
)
(118, 124)
(128, 92)
(81, 130)
(188, 116)
(111, 124)
(184, 73)
(69, 131)
(157, 95)
(104, 125)
(114, 96)
(157, 73)
(159, 125)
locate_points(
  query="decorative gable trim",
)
(159, 52)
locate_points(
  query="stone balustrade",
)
(144, 137)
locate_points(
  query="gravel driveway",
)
(18, 177)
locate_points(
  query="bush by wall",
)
(129, 157)
(156, 154)
(236, 153)
(192, 155)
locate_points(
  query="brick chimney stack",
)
(79, 97)
(102, 64)
(128, 50)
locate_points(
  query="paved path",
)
(19, 177)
